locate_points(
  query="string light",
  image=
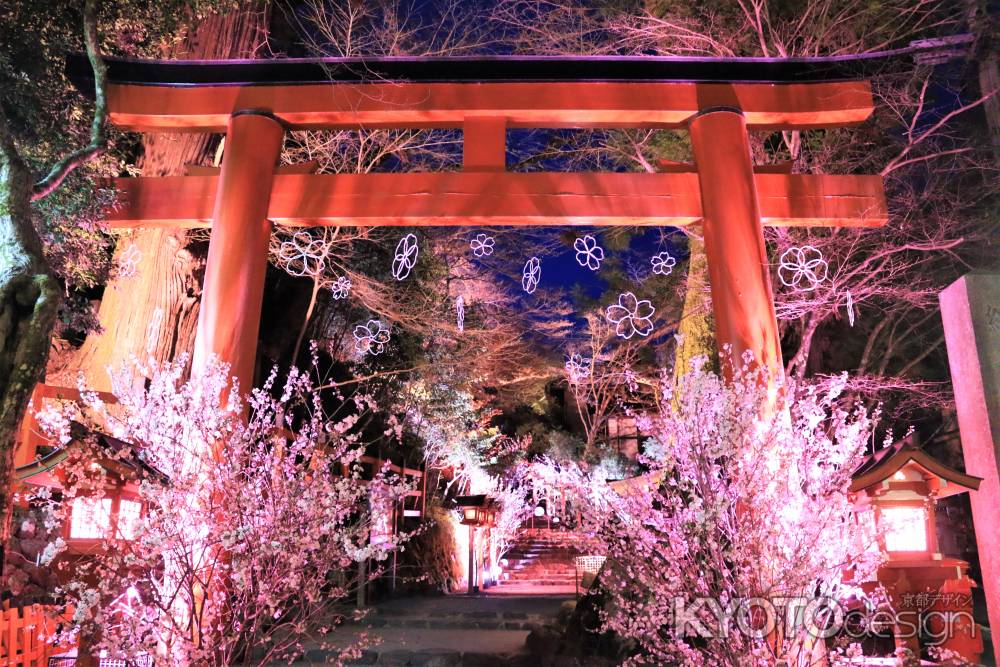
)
(663, 263)
(482, 245)
(631, 316)
(531, 275)
(405, 258)
(588, 253)
(372, 337)
(802, 268)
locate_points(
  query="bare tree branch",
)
(98, 134)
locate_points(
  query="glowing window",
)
(91, 518)
(905, 528)
(129, 512)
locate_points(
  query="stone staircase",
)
(540, 560)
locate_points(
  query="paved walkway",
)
(446, 631)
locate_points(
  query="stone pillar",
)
(970, 310)
(742, 300)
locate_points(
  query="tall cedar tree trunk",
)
(154, 311)
(697, 326)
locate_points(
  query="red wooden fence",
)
(24, 633)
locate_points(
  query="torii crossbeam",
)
(717, 100)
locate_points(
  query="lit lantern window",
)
(905, 528)
(91, 518)
(129, 513)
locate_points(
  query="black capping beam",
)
(475, 69)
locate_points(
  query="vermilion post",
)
(742, 300)
(233, 291)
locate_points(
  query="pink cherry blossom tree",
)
(739, 505)
(249, 539)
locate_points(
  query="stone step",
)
(560, 557)
(553, 569)
(482, 648)
(533, 582)
(485, 620)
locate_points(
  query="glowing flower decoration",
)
(482, 245)
(663, 263)
(128, 263)
(588, 253)
(631, 316)
(460, 313)
(371, 337)
(802, 269)
(406, 257)
(340, 287)
(531, 275)
(577, 367)
(302, 255)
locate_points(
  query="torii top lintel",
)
(717, 100)
(526, 91)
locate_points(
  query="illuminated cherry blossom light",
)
(371, 337)
(405, 259)
(631, 316)
(802, 268)
(340, 287)
(128, 263)
(460, 313)
(531, 275)
(577, 367)
(588, 253)
(482, 245)
(663, 263)
(302, 255)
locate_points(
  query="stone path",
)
(449, 631)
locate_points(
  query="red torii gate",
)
(718, 100)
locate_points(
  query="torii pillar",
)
(233, 292)
(742, 299)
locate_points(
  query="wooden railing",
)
(24, 633)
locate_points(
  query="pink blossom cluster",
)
(746, 498)
(251, 537)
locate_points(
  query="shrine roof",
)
(122, 458)
(479, 69)
(886, 462)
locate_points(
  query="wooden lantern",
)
(900, 485)
(477, 512)
(113, 508)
